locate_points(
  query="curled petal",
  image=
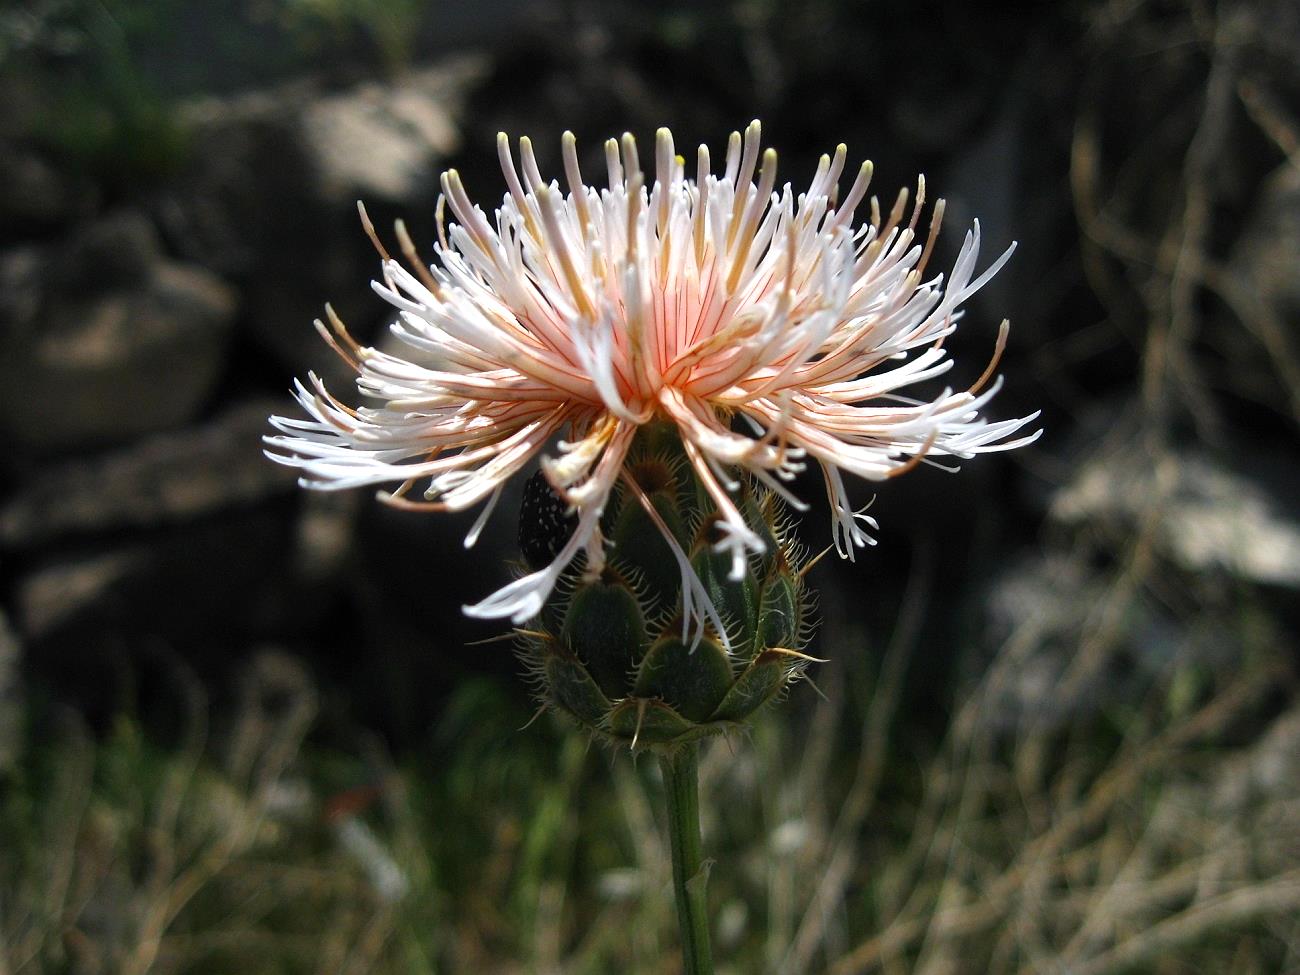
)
(585, 312)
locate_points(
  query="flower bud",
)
(616, 649)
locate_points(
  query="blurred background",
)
(244, 728)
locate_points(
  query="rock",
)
(98, 615)
(247, 178)
(56, 594)
(383, 142)
(209, 582)
(117, 250)
(268, 199)
(37, 196)
(11, 701)
(164, 480)
(124, 343)
(22, 271)
(1211, 517)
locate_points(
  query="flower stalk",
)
(690, 871)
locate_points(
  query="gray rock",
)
(247, 177)
(57, 593)
(11, 701)
(269, 197)
(384, 141)
(164, 480)
(105, 368)
(206, 583)
(117, 250)
(1209, 516)
(36, 195)
(22, 273)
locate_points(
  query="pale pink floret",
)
(765, 325)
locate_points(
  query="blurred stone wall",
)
(169, 229)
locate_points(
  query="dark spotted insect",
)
(545, 523)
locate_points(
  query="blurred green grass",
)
(1132, 839)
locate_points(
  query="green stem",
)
(680, 771)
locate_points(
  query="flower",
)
(766, 325)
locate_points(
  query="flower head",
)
(767, 326)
